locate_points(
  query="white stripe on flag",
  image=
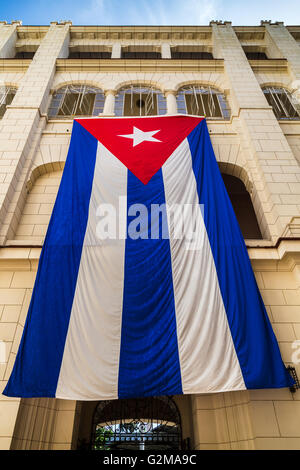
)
(207, 355)
(91, 356)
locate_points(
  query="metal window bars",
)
(76, 100)
(7, 94)
(283, 103)
(138, 100)
(149, 102)
(200, 100)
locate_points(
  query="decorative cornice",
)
(23, 256)
(161, 33)
(33, 32)
(14, 65)
(140, 32)
(269, 65)
(293, 228)
(135, 65)
(145, 65)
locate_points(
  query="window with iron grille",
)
(6, 96)
(140, 101)
(202, 101)
(284, 105)
(76, 100)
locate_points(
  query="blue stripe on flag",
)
(252, 334)
(38, 362)
(149, 359)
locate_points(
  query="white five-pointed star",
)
(139, 136)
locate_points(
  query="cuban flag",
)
(126, 303)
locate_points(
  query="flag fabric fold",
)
(144, 285)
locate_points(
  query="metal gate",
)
(137, 424)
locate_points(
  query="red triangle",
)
(145, 158)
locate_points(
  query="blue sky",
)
(154, 12)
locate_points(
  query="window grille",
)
(6, 96)
(76, 100)
(202, 101)
(140, 101)
(283, 103)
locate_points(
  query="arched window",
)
(76, 100)
(7, 94)
(137, 424)
(202, 101)
(139, 100)
(284, 105)
(243, 207)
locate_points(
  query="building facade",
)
(246, 80)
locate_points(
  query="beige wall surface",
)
(252, 145)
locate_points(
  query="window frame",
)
(75, 89)
(6, 91)
(198, 91)
(272, 94)
(140, 90)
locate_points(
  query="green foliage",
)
(102, 437)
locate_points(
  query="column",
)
(171, 101)
(269, 158)
(222, 421)
(284, 41)
(8, 37)
(165, 51)
(116, 51)
(109, 104)
(50, 425)
(21, 122)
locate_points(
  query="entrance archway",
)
(151, 423)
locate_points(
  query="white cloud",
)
(90, 13)
(195, 12)
(154, 12)
(180, 12)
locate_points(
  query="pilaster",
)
(116, 51)
(282, 38)
(165, 51)
(8, 38)
(44, 424)
(264, 144)
(21, 125)
(171, 101)
(109, 103)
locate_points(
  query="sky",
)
(150, 12)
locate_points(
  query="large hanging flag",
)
(144, 285)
